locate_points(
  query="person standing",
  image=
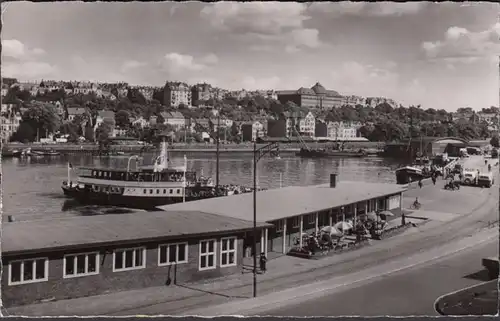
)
(263, 262)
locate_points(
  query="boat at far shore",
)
(319, 153)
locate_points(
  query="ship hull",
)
(138, 202)
(325, 154)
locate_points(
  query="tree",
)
(42, 118)
(103, 133)
(234, 130)
(25, 133)
(122, 119)
(495, 141)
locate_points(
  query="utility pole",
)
(217, 159)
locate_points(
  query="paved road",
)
(405, 293)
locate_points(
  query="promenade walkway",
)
(473, 205)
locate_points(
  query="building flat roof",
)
(290, 201)
(39, 235)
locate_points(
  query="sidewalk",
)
(283, 271)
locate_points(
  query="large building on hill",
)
(315, 97)
(177, 93)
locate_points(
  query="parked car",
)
(485, 180)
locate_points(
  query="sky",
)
(438, 55)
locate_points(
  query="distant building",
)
(9, 125)
(105, 115)
(140, 122)
(321, 128)
(175, 94)
(174, 119)
(487, 117)
(342, 130)
(251, 131)
(276, 128)
(199, 93)
(315, 97)
(307, 125)
(75, 111)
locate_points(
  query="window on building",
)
(178, 191)
(81, 264)
(28, 271)
(207, 255)
(172, 254)
(296, 222)
(228, 248)
(129, 259)
(279, 226)
(311, 219)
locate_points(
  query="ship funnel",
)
(164, 154)
(333, 180)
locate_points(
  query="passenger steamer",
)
(143, 187)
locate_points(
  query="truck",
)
(491, 264)
(469, 177)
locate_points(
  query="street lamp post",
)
(257, 155)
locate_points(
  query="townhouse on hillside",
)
(315, 97)
(5, 90)
(353, 100)
(375, 101)
(177, 93)
(140, 121)
(250, 131)
(9, 125)
(489, 118)
(307, 125)
(75, 111)
(174, 119)
(341, 130)
(103, 115)
(200, 93)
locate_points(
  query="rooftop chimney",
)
(333, 180)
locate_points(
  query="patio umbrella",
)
(343, 226)
(372, 216)
(332, 230)
(386, 213)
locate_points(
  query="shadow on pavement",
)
(213, 293)
(481, 275)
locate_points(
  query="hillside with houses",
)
(76, 111)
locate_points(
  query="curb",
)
(248, 306)
(437, 308)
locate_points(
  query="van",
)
(494, 153)
(485, 179)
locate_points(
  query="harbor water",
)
(32, 186)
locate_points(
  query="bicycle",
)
(415, 206)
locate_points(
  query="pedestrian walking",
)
(420, 184)
(263, 261)
(403, 219)
(434, 179)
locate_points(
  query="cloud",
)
(21, 61)
(255, 17)
(131, 64)
(355, 78)
(178, 62)
(375, 9)
(29, 70)
(462, 45)
(251, 83)
(210, 59)
(13, 48)
(268, 26)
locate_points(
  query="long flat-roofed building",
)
(315, 97)
(297, 209)
(91, 255)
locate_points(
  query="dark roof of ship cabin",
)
(290, 201)
(121, 229)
